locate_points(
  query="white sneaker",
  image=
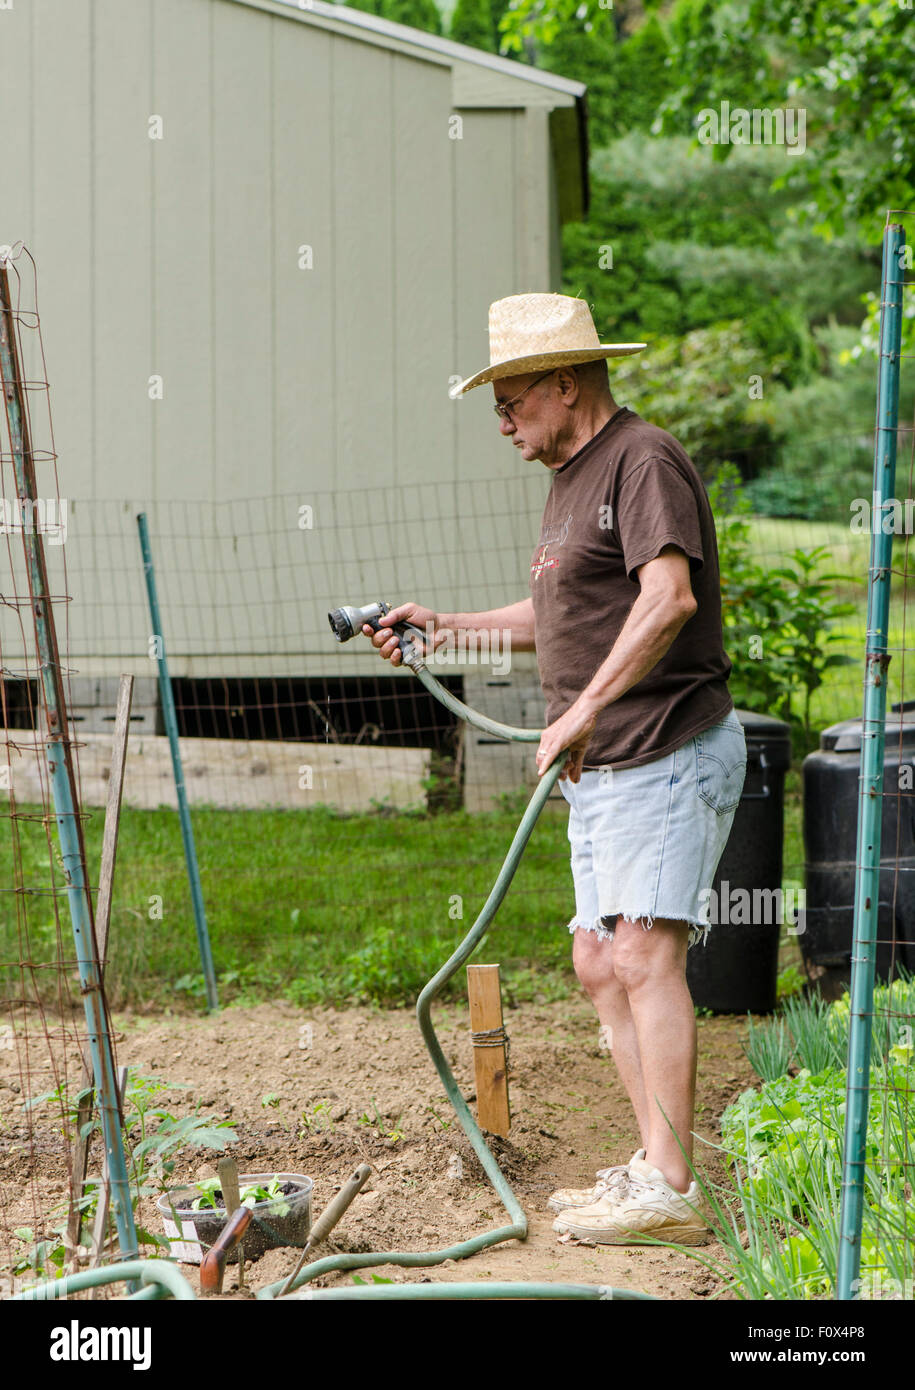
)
(648, 1207)
(611, 1182)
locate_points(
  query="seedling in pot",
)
(211, 1196)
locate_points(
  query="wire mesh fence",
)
(276, 719)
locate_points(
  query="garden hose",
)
(518, 1289)
(160, 1278)
(517, 1230)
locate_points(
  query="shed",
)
(267, 235)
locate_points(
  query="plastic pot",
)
(191, 1233)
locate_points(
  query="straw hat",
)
(528, 332)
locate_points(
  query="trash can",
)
(831, 780)
(736, 970)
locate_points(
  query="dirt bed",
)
(319, 1093)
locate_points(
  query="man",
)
(625, 618)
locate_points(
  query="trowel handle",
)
(213, 1264)
(332, 1213)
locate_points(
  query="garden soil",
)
(320, 1092)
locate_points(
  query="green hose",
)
(581, 1293)
(158, 1279)
(518, 1228)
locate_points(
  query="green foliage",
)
(785, 1146)
(695, 386)
(387, 967)
(801, 1033)
(868, 344)
(472, 23)
(815, 1045)
(417, 14)
(779, 492)
(152, 1139)
(627, 76)
(775, 621)
(801, 1118)
(891, 1025)
(804, 639)
(850, 64)
(211, 1197)
(695, 242)
(768, 1048)
(790, 981)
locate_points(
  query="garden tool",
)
(329, 1218)
(213, 1264)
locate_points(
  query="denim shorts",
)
(646, 841)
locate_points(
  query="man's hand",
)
(572, 730)
(388, 643)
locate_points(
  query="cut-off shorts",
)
(646, 841)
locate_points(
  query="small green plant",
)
(768, 1047)
(790, 981)
(153, 1138)
(445, 1124)
(317, 1120)
(379, 1123)
(271, 1099)
(808, 1020)
(211, 1196)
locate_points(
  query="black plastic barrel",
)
(736, 970)
(831, 779)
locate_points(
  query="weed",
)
(317, 1120)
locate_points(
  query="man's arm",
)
(517, 619)
(664, 603)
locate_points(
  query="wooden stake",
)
(490, 1046)
(227, 1168)
(102, 919)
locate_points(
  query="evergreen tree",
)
(418, 14)
(472, 23)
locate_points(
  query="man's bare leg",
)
(650, 967)
(593, 961)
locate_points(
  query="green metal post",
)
(63, 782)
(870, 794)
(171, 728)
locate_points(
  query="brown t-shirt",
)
(628, 493)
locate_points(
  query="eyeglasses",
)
(503, 407)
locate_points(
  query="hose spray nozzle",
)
(347, 622)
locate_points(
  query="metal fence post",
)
(171, 728)
(870, 793)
